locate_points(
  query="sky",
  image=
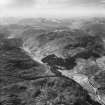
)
(52, 8)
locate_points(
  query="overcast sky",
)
(52, 8)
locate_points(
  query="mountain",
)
(52, 61)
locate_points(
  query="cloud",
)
(86, 2)
(21, 3)
(51, 3)
(51, 7)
